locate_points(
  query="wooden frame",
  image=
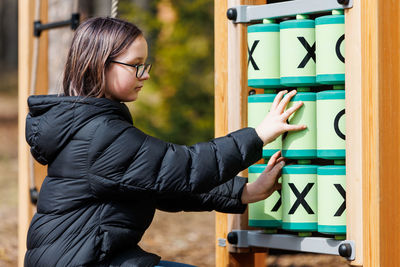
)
(25, 44)
(373, 138)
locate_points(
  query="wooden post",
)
(231, 114)
(373, 138)
(354, 141)
(25, 41)
(221, 107)
(389, 134)
(370, 131)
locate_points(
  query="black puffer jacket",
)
(106, 178)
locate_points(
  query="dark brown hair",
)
(96, 41)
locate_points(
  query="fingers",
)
(277, 168)
(282, 105)
(292, 109)
(278, 99)
(274, 158)
(290, 128)
(278, 186)
(281, 159)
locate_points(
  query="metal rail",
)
(250, 13)
(254, 238)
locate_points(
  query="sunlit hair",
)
(95, 43)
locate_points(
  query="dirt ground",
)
(184, 237)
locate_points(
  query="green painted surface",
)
(305, 140)
(331, 219)
(265, 27)
(300, 227)
(263, 69)
(331, 19)
(299, 215)
(331, 125)
(293, 53)
(330, 52)
(300, 169)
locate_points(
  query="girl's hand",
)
(275, 123)
(266, 183)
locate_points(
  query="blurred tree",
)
(8, 46)
(8, 34)
(177, 103)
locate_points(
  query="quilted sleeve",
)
(223, 198)
(134, 161)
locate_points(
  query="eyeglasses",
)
(140, 68)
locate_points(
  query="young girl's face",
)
(121, 82)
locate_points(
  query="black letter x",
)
(310, 52)
(342, 208)
(251, 59)
(300, 198)
(279, 203)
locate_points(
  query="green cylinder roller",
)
(332, 200)
(330, 45)
(297, 52)
(263, 55)
(266, 213)
(299, 198)
(258, 107)
(302, 144)
(331, 124)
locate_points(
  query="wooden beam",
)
(25, 42)
(25, 16)
(220, 107)
(389, 134)
(370, 131)
(354, 141)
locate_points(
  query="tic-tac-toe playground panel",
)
(326, 204)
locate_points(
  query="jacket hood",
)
(53, 120)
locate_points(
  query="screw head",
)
(345, 250)
(343, 2)
(231, 13)
(232, 238)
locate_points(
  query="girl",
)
(106, 178)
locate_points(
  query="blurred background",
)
(176, 105)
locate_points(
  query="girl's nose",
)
(145, 76)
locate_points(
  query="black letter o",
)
(336, 124)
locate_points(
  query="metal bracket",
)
(221, 242)
(249, 13)
(245, 238)
(38, 27)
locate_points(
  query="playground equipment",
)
(302, 144)
(331, 130)
(297, 67)
(299, 199)
(370, 172)
(329, 35)
(331, 183)
(263, 44)
(268, 213)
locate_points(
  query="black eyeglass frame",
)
(137, 66)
